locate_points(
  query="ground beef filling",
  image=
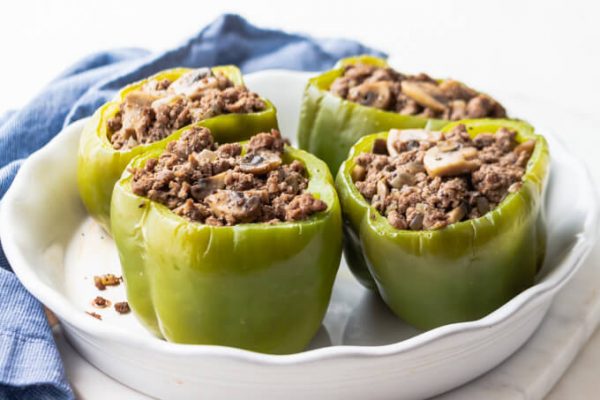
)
(423, 180)
(161, 107)
(217, 185)
(420, 95)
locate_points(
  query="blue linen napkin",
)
(30, 365)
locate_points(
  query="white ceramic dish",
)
(362, 351)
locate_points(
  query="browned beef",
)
(428, 180)
(161, 107)
(217, 185)
(389, 90)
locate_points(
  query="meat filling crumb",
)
(95, 315)
(100, 302)
(424, 180)
(218, 185)
(122, 307)
(420, 95)
(102, 281)
(161, 107)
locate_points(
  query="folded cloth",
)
(30, 366)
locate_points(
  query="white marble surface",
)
(531, 373)
(580, 382)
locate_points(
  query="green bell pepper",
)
(261, 287)
(330, 125)
(99, 165)
(458, 273)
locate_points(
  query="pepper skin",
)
(261, 287)
(458, 273)
(99, 165)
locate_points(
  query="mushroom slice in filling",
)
(426, 94)
(398, 137)
(193, 82)
(374, 94)
(139, 99)
(133, 113)
(260, 162)
(450, 159)
(234, 206)
(166, 100)
(206, 186)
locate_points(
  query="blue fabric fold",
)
(30, 365)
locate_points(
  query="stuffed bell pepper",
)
(363, 95)
(146, 114)
(234, 245)
(447, 225)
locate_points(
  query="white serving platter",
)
(362, 350)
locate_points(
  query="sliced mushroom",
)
(194, 83)
(165, 100)
(188, 79)
(426, 94)
(406, 106)
(358, 173)
(525, 147)
(398, 179)
(203, 157)
(515, 187)
(133, 113)
(396, 137)
(373, 94)
(456, 90)
(234, 207)
(139, 99)
(462, 160)
(206, 186)
(260, 162)
(448, 145)
(132, 122)
(206, 154)
(413, 168)
(457, 214)
(382, 189)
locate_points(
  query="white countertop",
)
(545, 50)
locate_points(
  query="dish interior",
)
(76, 248)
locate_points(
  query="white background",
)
(545, 50)
(549, 49)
